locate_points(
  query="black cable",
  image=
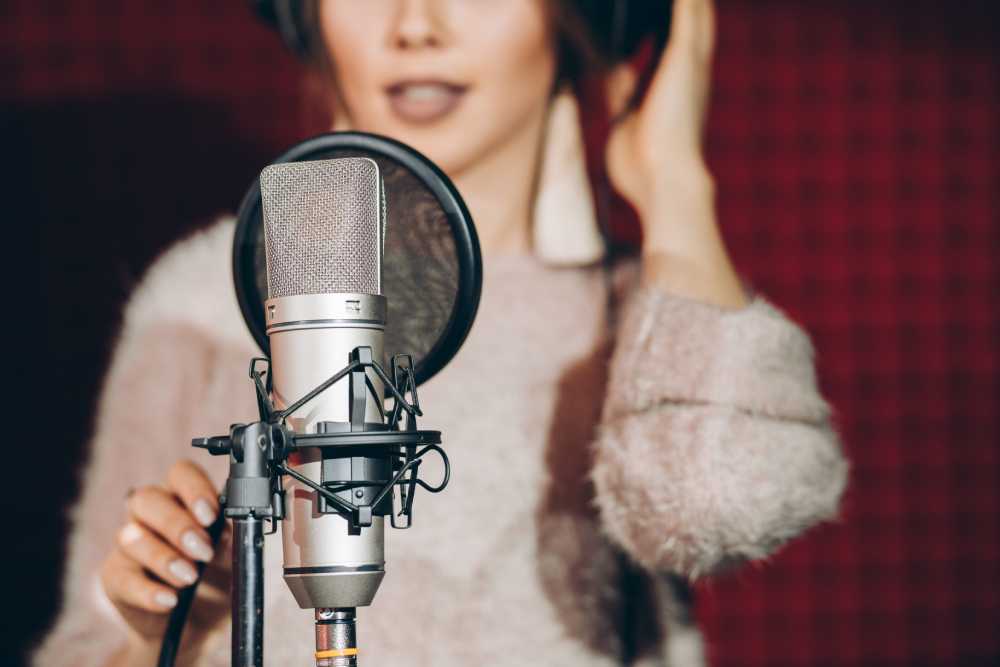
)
(178, 617)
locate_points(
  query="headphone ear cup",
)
(286, 16)
(620, 27)
(646, 20)
(264, 9)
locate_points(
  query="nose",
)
(419, 24)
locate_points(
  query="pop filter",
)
(432, 266)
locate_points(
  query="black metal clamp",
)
(259, 451)
(258, 459)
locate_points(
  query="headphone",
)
(619, 27)
(285, 16)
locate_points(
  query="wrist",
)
(713, 281)
(679, 218)
(686, 180)
(683, 250)
(692, 184)
(134, 652)
(691, 178)
(141, 650)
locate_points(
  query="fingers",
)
(685, 64)
(155, 555)
(217, 576)
(224, 550)
(126, 584)
(692, 28)
(619, 89)
(158, 510)
(192, 485)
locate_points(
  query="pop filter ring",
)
(469, 256)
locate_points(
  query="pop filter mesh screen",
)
(420, 268)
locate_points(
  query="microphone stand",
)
(248, 500)
(248, 592)
(258, 453)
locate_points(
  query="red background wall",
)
(857, 151)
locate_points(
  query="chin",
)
(451, 150)
(450, 155)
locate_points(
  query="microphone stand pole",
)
(248, 501)
(257, 454)
(248, 593)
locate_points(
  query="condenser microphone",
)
(324, 230)
(337, 442)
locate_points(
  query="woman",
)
(706, 443)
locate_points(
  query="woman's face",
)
(456, 79)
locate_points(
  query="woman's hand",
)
(655, 159)
(155, 555)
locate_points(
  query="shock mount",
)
(363, 463)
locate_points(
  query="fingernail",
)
(203, 512)
(183, 571)
(130, 533)
(196, 546)
(165, 599)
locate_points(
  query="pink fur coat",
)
(593, 469)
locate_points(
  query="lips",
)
(424, 101)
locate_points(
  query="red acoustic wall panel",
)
(856, 149)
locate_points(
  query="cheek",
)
(513, 49)
(355, 54)
(511, 65)
(500, 48)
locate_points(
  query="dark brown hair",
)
(589, 35)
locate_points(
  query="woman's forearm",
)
(683, 250)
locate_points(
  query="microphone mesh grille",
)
(324, 227)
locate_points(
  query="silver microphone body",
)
(311, 339)
(319, 214)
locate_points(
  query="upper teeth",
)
(424, 91)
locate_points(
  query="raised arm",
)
(715, 444)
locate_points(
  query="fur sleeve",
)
(715, 445)
(170, 379)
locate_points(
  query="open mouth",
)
(424, 101)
